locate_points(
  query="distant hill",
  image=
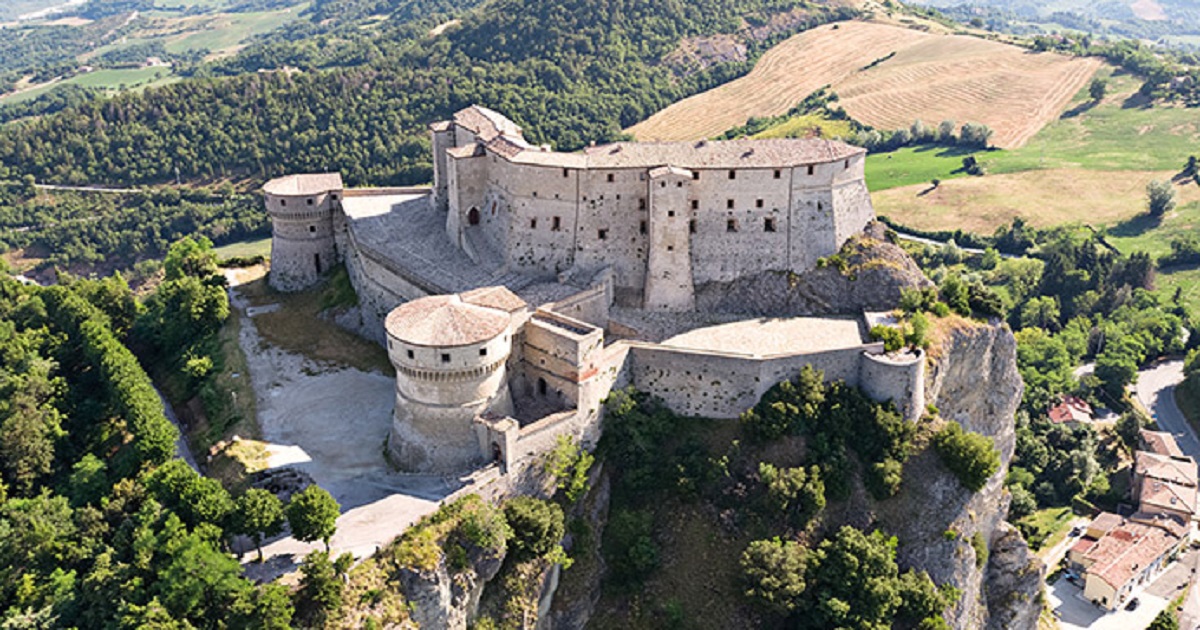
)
(889, 76)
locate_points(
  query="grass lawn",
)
(1053, 522)
(244, 249)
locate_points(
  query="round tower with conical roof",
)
(450, 358)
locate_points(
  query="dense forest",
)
(565, 77)
(89, 230)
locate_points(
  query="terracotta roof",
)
(1181, 470)
(304, 184)
(486, 123)
(445, 321)
(1127, 550)
(1071, 409)
(777, 152)
(1166, 495)
(499, 298)
(1161, 442)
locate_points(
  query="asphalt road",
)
(1155, 389)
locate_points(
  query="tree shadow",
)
(1081, 108)
(1135, 226)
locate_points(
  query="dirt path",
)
(330, 422)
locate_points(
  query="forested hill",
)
(569, 71)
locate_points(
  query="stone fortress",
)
(522, 287)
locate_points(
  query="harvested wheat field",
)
(1043, 198)
(929, 77)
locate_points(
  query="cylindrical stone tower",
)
(450, 367)
(302, 244)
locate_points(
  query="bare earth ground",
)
(330, 422)
(1043, 198)
(931, 77)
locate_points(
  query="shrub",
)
(537, 527)
(972, 457)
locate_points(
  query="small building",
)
(1071, 409)
(1117, 555)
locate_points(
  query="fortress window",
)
(445, 357)
(533, 224)
(732, 174)
(566, 173)
(810, 169)
(556, 225)
(695, 204)
(778, 173)
(411, 355)
(483, 352)
(769, 224)
(641, 203)
(758, 203)
(692, 226)
(695, 174)
(611, 177)
(642, 227)
(729, 204)
(602, 234)
(309, 200)
(731, 225)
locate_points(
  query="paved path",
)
(1155, 389)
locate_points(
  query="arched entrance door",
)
(473, 217)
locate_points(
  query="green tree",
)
(773, 572)
(1160, 197)
(312, 515)
(972, 457)
(854, 582)
(257, 514)
(537, 526)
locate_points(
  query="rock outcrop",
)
(868, 274)
(441, 599)
(960, 537)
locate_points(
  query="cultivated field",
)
(1043, 198)
(930, 77)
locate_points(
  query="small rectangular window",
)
(695, 204)
(758, 203)
(483, 352)
(769, 224)
(533, 224)
(729, 204)
(445, 357)
(732, 174)
(611, 177)
(692, 226)
(731, 225)
(603, 234)
(778, 173)
(642, 227)
(411, 355)
(810, 169)
(556, 225)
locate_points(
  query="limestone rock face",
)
(870, 276)
(441, 599)
(972, 379)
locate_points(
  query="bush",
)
(972, 457)
(773, 571)
(537, 527)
